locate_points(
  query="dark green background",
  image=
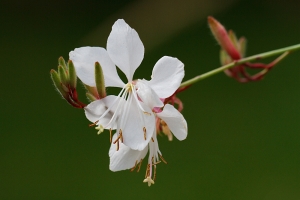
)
(243, 140)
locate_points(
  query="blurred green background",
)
(243, 140)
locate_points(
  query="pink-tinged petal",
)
(84, 59)
(138, 126)
(147, 95)
(125, 48)
(124, 158)
(97, 108)
(175, 121)
(166, 76)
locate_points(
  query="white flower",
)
(132, 118)
(131, 113)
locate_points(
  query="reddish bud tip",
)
(223, 39)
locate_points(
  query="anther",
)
(162, 159)
(147, 113)
(121, 135)
(118, 145)
(133, 168)
(147, 171)
(144, 129)
(94, 124)
(152, 139)
(156, 163)
(116, 140)
(140, 164)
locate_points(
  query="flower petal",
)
(166, 76)
(84, 59)
(125, 48)
(96, 109)
(147, 95)
(174, 120)
(138, 126)
(124, 158)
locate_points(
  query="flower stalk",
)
(283, 51)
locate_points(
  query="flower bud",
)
(65, 81)
(223, 39)
(72, 74)
(99, 78)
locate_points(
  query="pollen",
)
(162, 159)
(144, 129)
(120, 137)
(94, 124)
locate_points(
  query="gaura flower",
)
(132, 113)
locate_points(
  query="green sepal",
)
(91, 97)
(63, 75)
(72, 74)
(62, 62)
(57, 83)
(99, 79)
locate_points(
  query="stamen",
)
(147, 171)
(94, 124)
(154, 173)
(133, 168)
(140, 164)
(146, 113)
(118, 145)
(121, 136)
(156, 163)
(152, 139)
(117, 139)
(144, 129)
(162, 159)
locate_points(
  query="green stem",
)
(241, 61)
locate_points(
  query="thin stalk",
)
(285, 51)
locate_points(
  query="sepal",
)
(99, 79)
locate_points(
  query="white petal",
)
(136, 122)
(166, 76)
(96, 109)
(125, 48)
(147, 95)
(124, 158)
(84, 59)
(175, 121)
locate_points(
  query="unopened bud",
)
(223, 39)
(57, 83)
(99, 79)
(62, 62)
(63, 75)
(72, 74)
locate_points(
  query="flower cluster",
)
(134, 113)
(234, 49)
